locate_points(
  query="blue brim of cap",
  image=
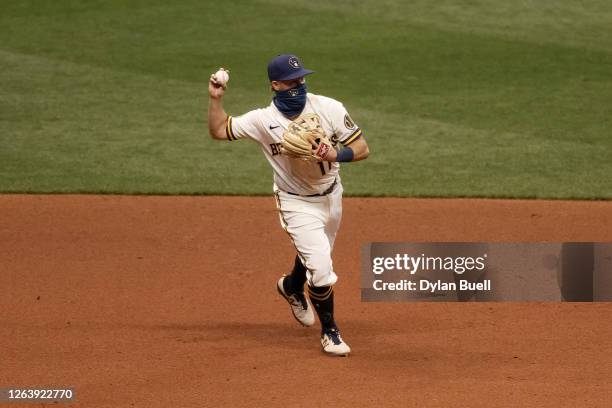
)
(302, 72)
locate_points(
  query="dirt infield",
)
(171, 302)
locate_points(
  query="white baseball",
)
(221, 76)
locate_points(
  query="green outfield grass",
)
(457, 98)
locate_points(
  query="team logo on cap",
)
(294, 63)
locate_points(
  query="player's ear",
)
(274, 85)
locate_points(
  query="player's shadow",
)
(242, 333)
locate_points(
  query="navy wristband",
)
(345, 154)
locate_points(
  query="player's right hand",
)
(215, 89)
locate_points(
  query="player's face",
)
(284, 85)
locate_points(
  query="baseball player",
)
(308, 188)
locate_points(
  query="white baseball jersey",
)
(266, 126)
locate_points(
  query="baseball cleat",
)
(300, 306)
(333, 344)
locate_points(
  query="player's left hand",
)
(322, 149)
(305, 139)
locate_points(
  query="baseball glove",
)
(305, 139)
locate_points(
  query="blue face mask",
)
(291, 102)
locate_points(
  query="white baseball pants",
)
(312, 224)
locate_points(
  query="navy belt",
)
(326, 192)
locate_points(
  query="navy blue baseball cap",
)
(286, 67)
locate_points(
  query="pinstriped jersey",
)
(266, 127)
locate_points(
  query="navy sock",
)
(294, 282)
(322, 299)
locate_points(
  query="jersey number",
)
(322, 167)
